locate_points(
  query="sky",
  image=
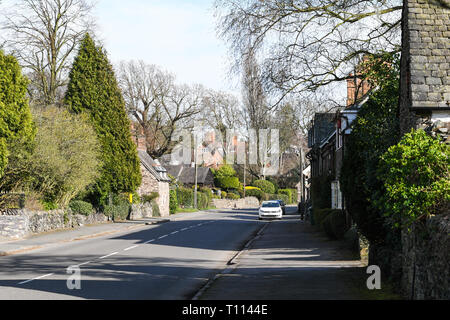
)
(179, 36)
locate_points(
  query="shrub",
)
(185, 197)
(227, 183)
(202, 200)
(288, 193)
(252, 188)
(224, 195)
(118, 212)
(255, 193)
(81, 207)
(334, 223)
(233, 196)
(150, 197)
(320, 215)
(173, 201)
(416, 178)
(225, 171)
(155, 209)
(265, 186)
(268, 197)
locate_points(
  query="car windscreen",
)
(271, 205)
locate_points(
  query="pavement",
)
(291, 260)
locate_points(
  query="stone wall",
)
(163, 200)
(151, 184)
(17, 224)
(426, 260)
(247, 203)
(141, 211)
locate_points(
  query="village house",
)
(185, 175)
(154, 176)
(327, 136)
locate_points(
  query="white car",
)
(271, 210)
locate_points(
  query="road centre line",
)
(109, 255)
(130, 248)
(38, 278)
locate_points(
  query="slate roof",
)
(186, 175)
(323, 126)
(154, 167)
(428, 30)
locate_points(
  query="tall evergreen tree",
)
(15, 115)
(93, 89)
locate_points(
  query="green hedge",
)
(291, 193)
(255, 193)
(155, 209)
(202, 200)
(118, 212)
(185, 198)
(227, 183)
(333, 222)
(265, 186)
(81, 207)
(233, 196)
(269, 197)
(149, 197)
(173, 202)
(320, 215)
(416, 177)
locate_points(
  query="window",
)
(340, 139)
(336, 196)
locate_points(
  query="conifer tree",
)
(93, 89)
(15, 115)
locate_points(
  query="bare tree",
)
(43, 35)
(222, 112)
(308, 43)
(159, 105)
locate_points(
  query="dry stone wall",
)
(247, 203)
(17, 224)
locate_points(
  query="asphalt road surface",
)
(170, 261)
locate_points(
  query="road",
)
(170, 261)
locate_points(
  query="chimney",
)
(357, 88)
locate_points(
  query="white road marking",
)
(163, 237)
(38, 278)
(175, 232)
(149, 241)
(184, 229)
(130, 248)
(109, 255)
(83, 264)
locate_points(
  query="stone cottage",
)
(154, 176)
